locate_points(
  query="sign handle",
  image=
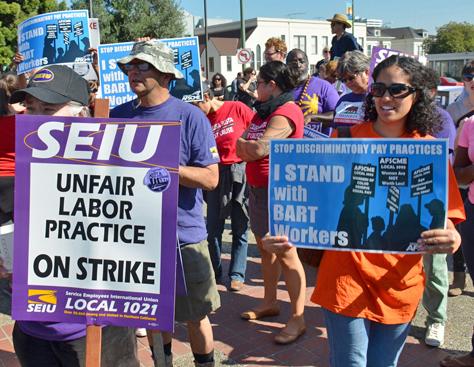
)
(94, 332)
(158, 352)
(367, 198)
(102, 108)
(93, 345)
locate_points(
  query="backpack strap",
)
(344, 132)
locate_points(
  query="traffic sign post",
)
(244, 55)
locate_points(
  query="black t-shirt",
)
(244, 97)
(347, 42)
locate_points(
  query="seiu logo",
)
(42, 301)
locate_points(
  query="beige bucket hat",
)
(155, 53)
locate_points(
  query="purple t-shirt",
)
(198, 148)
(350, 110)
(53, 331)
(448, 130)
(319, 96)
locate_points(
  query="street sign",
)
(244, 55)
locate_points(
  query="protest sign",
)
(114, 83)
(56, 38)
(357, 194)
(90, 196)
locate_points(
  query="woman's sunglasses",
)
(468, 77)
(396, 90)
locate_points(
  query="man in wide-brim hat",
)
(342, 41)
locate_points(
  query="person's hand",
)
(18, 58)
(93, 52)
(440, 241)
(276, 244)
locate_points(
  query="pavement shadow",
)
(251, 342)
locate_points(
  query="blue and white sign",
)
(55, 38)
(114, 83)
(373, 195)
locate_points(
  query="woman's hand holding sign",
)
(276, 244)
(440, 240)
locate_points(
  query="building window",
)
(361, 41)
(369, 50)
(259, 56)
(211, 64)
(229, 63)
(314, 45)
(325, 41)
(283, 37)
(377, 33)
(300, 42)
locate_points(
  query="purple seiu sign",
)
(379, 54)
(96, 201)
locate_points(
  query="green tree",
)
(12, 13)
(451, 37)
(126, 20)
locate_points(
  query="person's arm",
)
(205, 178)
(22, 81)
(441, 240)
(279, 127)
(326, 118)
(463, 167)
(244, 87)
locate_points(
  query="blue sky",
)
(427, 14)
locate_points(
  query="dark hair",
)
(423, 116)
(284, 77)
(249, 70)
(294, 51)
(223, 80)
(468, 68)
(432, 78)
(4, 98)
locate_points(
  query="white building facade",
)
(309, 35)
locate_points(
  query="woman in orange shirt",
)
(369, 299)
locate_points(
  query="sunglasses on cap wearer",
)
(141, 66)
(468, 77)
(396, 90)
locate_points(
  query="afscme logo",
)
(41, 300)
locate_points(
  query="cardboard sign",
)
(357, 194)
(97, 203)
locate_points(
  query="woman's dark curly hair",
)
(423, 117)
(284, 77)
(223, 80)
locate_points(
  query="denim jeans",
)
(358, 342)
(215, 227)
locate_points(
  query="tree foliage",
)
(126, 20)
(451, 37)
(12, 13)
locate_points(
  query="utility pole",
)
(242, 28)
(205, 39)
(353, 17)
(90, 9)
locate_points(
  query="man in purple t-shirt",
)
(150, 69)
(316, 97)
(60, 344)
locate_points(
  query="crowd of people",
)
(368, 299)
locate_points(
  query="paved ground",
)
(243, 343)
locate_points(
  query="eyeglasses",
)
(468, 77)
(266, 53)
(325, 51)
(217, 79)
(348, 79)
(141, 66)
(396, 90)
